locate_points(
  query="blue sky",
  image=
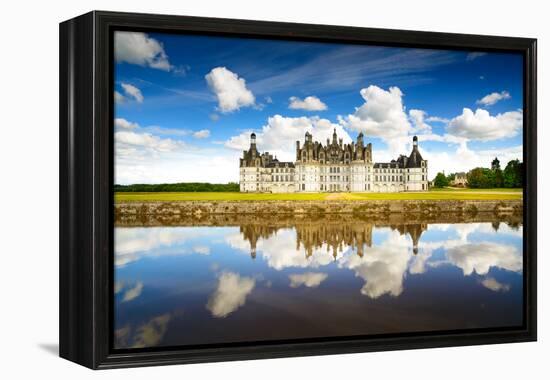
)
(185, 105)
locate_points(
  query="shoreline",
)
(290, 220)
(311, 207)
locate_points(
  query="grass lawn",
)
(499, 190)
(439, 194)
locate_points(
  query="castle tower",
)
(253, 141)
(360, 139)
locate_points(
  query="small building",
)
(460, 180)
(334, 167)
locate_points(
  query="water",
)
(251, 278)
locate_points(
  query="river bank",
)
(431, 208)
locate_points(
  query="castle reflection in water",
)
(195, 279)
(334, 237)
(333, 233)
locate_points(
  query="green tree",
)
(513, 174)
(179, 187)
(499, 178)
(440, 180)
(481, 178)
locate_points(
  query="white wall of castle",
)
(314, 177)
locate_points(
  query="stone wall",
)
(291, 220)
(371, 207)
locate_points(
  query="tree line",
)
(486, 178)
(178, 187)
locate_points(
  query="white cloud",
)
(349, 66)
(280, 134)
(418, 118)
(382, 115)
(201, 249)
(474, 55)
(140, 49)
(480, 257)
(494, 285)
(132, 91)
(140, 165)
(463, 159)
(419, 261)
(309, 279)
(133, 293)
(151, 333)
(492, 98)
(230, 294)
(125, 124)
(134, 243)
(279, 250)
(119, 286)
(134, 146)
(382, 267)
(230, 90)
(155, 129)
(482, 126)
(143, 156)
(310, 103)
(149, 142)
(437, 119)
(202, 134)
(119, 98)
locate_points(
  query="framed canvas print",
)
(236, 189)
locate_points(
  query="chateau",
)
(334, 167)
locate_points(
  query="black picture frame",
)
(86, 181)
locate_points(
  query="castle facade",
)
(334, 167)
